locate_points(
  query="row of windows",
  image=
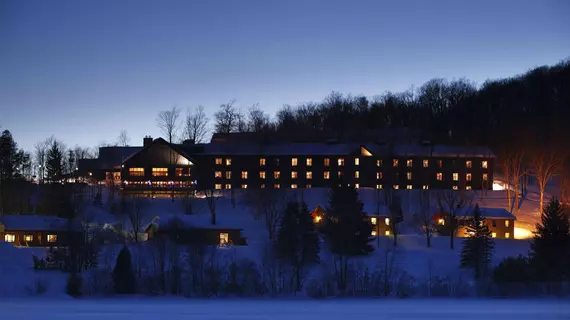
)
(220, 186)
(8, 237)
(326, 175)
(159, 172)
(340, 162)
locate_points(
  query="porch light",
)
(126, 182)
(441, 222)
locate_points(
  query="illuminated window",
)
(468, 177)
(277, 186)
(357, 185)
(9, 237)
(309, 162)
(468, 164)
(228, 186)
(467, 187)
(262, 161)
(507, 223)
(228, 161)
(426, 163)
(373, 220)
(378, 186)
(293, 186)
(409, 187)
(409, 163)
(294, 162)
(340, 162)
(326, 175)
(327, 162)
(28, 238)
(396, 187)
(484, 164)
(455, 176)
(439, 176)
(387, 221)
(276, 174)
(507, 235)
(485, 177)
(218, 186)
(379, 175)
(494, 234)
(356, 161)
(357, 174)
(224, 238)
(373, 233)
(136, 172)
(409, 175)
(395, 162)
(425, 187)
(440, 163)
(308, 186)
(218, 174)
(262, 186)
(378, 163)
(244, 186)
(160, 172)
(51, 238)
(441, 221)
(218, 160)
(387, 232)
(455, 188)
(309, 175)
(244, 174)
(293, 174)
(228, 175)
(262, 174)
(339, 174)
(179, 172)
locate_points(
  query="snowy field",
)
(286, 309)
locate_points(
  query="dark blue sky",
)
(84, 70)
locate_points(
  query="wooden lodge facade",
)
(35, 231)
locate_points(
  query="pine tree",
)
(477, 251)
(551, 245)
(346, 228)
(123, 275)
(54, 163)
(297, 242)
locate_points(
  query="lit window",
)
(228, 175)
(218, 174)
(179, 172)
(244, 186)
(224, 238)
(308, 186)
(136, 172)
(441, 221)
(373, 233)
(409, 175)
(277, 186)
(378, 186)
(468, 177)
(276, 174)
(455, 176)
(484, 164)
(244, 174)
(425, 187)
(440, 163)
(467, 187)
(395, 162)
(439, 176)
(357, 185)
(356, 161)
(409, 187)
(396, 187)
(309, 175)
(218, 186)
(262, 186)
(378, 175)
(373, 220)
(10, 237)
(28, 238)
(426, 163)
(340, 162)
(485, 177)
(228, 162)
(327, 162)
(507, 223)
(507, 235)
(455, 188)
(293, 174)
(262, 174)
(357, 174)
(294, 162)
(339, 174)
(51, 238)
(387, 232)
(409, 163)
(218, 160)
(159, 172)
(326, 175)
(378, 163)
(293, 186)
(228, 186)
(387, 221)
(468, 164)
(262, 161)
(309, 162)
(494, 234)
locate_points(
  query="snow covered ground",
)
(287, 309)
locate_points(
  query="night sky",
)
(84, 70)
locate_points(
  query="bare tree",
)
(544, 163)
(211, 198)
(257, 119)
(123, 140)
(514, 172)
(136, 215)
(196, 125)
(423, 216)
(167, 121)
(41, 149)
(268, 204)
(226, 118)
(450, 203)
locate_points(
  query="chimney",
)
(188, 142)
(147, 141)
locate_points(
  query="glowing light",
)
(318, 219)
(441, 221)
(522, 233)
(498, 187)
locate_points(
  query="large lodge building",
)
(243, 161)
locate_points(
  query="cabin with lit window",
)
(500, 222)
(188, 233)
(36, 231)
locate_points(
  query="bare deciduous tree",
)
(226, 118)
(212, 196)
(268, 205)
(544, 163)
(123, 140)
(513, 170)
(167, 121)
(41, 149)
(257, 119)
(450, 203)
(423, 216)
(196, 125)
(136, 216)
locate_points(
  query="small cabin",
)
(500, 222)
(379, 217)
(186, 233)
(35, 231)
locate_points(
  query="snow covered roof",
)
(497, 213)
(201, 220)
(34, 223)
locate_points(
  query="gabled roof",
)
(494, 213)
(110, 157)
(156, 141)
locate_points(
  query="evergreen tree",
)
(54, 162)
(551, 246)
(10, 170)
(123, 275)
(477, 251)
(346, 228)
(297, 241)
(74, 283)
